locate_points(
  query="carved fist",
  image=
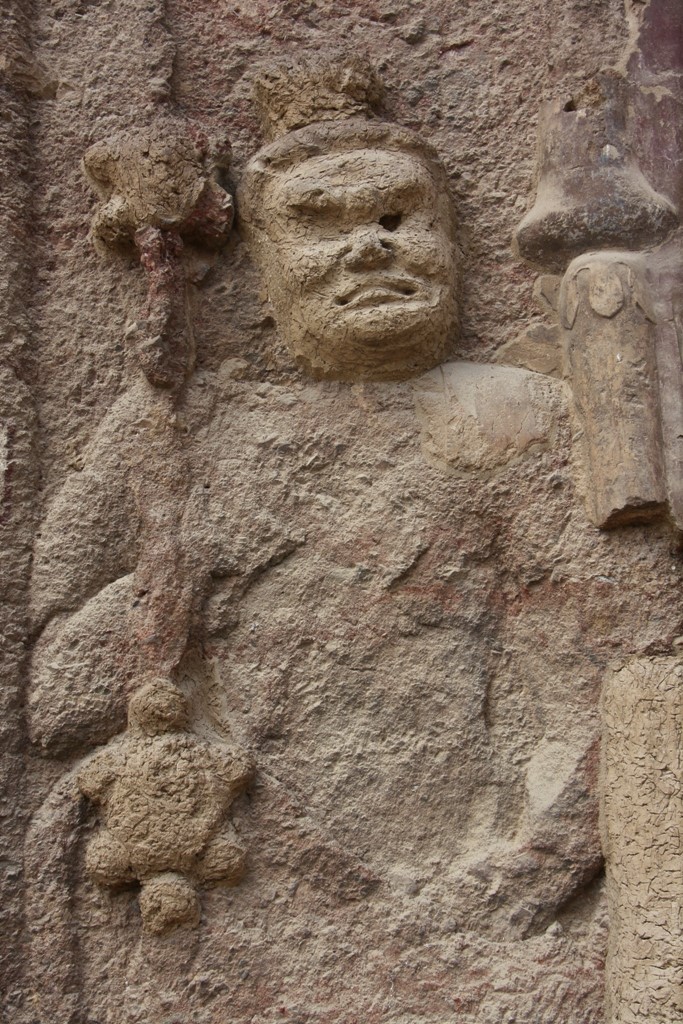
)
(163, 178)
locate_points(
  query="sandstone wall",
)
(387, 605)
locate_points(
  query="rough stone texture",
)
(642, 815)
(478, 418)
(656, 64)
(18, 474)
(408, 637)
(375, 673)
(159, 192)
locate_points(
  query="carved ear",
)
(219, 153)
(569, 299)
(97, 165)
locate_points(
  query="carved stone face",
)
(359, 261)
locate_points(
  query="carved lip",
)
(379, 290)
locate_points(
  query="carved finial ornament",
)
(160, 195)
(591, 192)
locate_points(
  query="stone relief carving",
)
(142, 585)
(352, 224)
(609, 338)
(591, 192)
(616, 250)
(476, 418)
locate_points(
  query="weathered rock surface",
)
(385, 594)
(414, 661)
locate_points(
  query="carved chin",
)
(372, 354)
(382, 342)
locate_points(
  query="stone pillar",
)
(642, 818)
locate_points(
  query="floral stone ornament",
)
(164, 795)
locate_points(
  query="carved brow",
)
(407, 190)
(313, 200)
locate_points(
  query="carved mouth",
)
(378, 292)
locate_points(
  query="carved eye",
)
(390, 221)
(316, 205)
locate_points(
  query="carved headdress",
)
(293, 94)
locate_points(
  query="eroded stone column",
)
(642, 814)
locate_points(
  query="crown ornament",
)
(293, 93)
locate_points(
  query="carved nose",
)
(369, 250)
